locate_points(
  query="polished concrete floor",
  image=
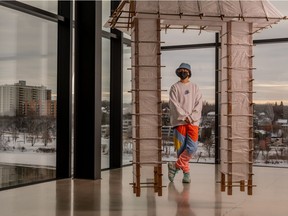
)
(114, 196)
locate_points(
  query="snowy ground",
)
(22, 153)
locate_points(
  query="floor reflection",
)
(151, 200)
(113, 196)
(182, 199)
(18, 175)
(115, 193)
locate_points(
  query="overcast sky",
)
(28, 51)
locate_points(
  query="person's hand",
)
(187, 120)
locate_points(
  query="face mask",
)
(183, 75)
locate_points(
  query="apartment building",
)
(20, 99)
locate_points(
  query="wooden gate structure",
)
(236, 21)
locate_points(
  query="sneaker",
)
(172, 170)
(186, 178)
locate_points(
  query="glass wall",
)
(28, 98)
(203, 74)
(105, 134)
(271, 105)
(127, 107)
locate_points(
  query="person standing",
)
(185, 102)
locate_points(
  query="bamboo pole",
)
(137, 108)
(159, 167)
(250, 119)
(229, 108)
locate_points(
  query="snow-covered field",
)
(23, 153)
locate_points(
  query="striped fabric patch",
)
(185, 137)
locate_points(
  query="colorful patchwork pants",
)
(186, 144)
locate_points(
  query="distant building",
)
(40, 108)
(8, 100)
(22, 100)
(52, 108)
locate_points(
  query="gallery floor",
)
(112, 195)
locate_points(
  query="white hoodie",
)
(185, 100)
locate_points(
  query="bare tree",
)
(265, 146)
(14, 132)
(208, 140)
(33, 130)
(46, 130)
(208, 145)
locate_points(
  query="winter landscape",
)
(29, 142)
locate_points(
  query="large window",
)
(127, 107)
(271, 105)
(28, 98)
(203, 70)
(105, 127)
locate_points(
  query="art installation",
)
(236, 21)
